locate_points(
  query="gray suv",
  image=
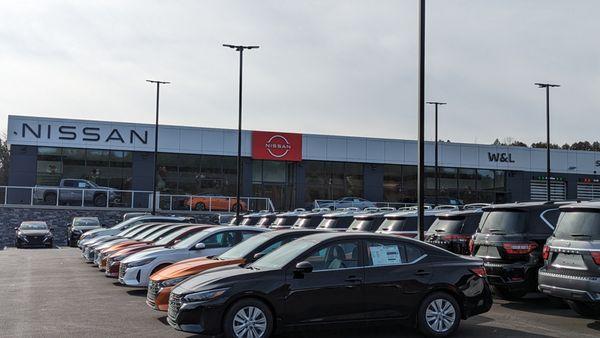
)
(571, 255)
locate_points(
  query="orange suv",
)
(214, 203)
(162, 281)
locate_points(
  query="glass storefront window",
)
(332, 180)
(485, 179)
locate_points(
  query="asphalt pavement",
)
(52, 293)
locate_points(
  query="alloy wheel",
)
(249, 322)
(440, 315)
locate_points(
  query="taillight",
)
(596, 257)
(456, 237)
(546, 252)
(480, 271)
(519, 248)
(472, 246)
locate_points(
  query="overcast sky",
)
(331, 67)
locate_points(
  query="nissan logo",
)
(278, 146)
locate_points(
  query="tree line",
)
(580, 145)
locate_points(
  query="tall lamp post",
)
(239, 48)
(421, 133)
(547, 86)
(437, 171)
(158, 83)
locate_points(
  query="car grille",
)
(153, 288)
(122, 269)
(35, 240)
(174, 305)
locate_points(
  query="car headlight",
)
(140, 263)
(171, 282)
(203, 295)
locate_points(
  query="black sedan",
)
(335, 277)
(33, 234)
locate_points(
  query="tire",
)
(69, 244)
(507, 294)
(582, 309)
(17, 245)
(50, 198)
(200, 206)
(430, 320)
(263, 319)
(100, 200)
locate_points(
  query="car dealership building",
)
(291, 169)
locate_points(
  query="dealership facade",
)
(291, 169)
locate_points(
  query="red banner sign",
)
(276, 146)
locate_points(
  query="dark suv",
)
(509, 239)
(571, 268)
(453, 230)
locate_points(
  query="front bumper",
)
(134, 276)
(199, 317)
(514, 276)
(34, 241)
(584, 289)
(157, 297)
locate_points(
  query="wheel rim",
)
(249, 322)
(440, 315)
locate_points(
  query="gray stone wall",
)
(59, 218)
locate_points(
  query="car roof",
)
(526, 205)
(460, 213)
(582, 205)
(324, 236)
(370, 215)
(413, 213)
(33, 222)
(234, 227)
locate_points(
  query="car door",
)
(215, 244)
(395, 278)
(332, 291)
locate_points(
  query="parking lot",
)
(51, 293)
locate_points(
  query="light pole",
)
(240, 49)
(437, 171)
(547, 86)
(421, 132)
(158, 83)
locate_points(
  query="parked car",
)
(76, 192)
(129, 215)
(368, 222)
(310, 219)
(285, 220)
(161, 282)
(130, 223)
(252, 219)
(33, 234)
(453, 230)
(335, 278)
(136, 269)
(78, 226)
(113, 261)
(146, 238)
(337, 221)
(345, 202)
(214, 202)
(404, 223)
(571, 256)
(509, 239)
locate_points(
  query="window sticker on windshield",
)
(385, 254)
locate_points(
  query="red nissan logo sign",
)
(276, 146)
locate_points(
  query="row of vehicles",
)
(275, 271)
(253, 280)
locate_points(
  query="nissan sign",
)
(276, 146)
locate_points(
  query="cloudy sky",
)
(334, 67)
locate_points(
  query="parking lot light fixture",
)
(158, 83)
(239, 48)
(437, 171)
(547, 86)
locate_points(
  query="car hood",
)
(130, 250)
(34, 232)
(86, 228)
(215, 279)
(152, 253)
(192, 266)
(99, 231)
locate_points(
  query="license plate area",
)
(569, 261)
(488, 252)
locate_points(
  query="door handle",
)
(353, 279)
(422, 273)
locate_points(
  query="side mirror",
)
(200, 246)
(303, 267)
(259, 255)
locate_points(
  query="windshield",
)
(249, 221)
(175, 235)
(446, 226)
(361, 224)
(266, 220)
(503, 222)
(246, 247)
(33, 226)
(336, 222)
(399, 224)
(582, 225)
(125, 223)
(86, 222)
(189, 241)
(302, 222)
(283, 255)
(285, 220)
(166, 230)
